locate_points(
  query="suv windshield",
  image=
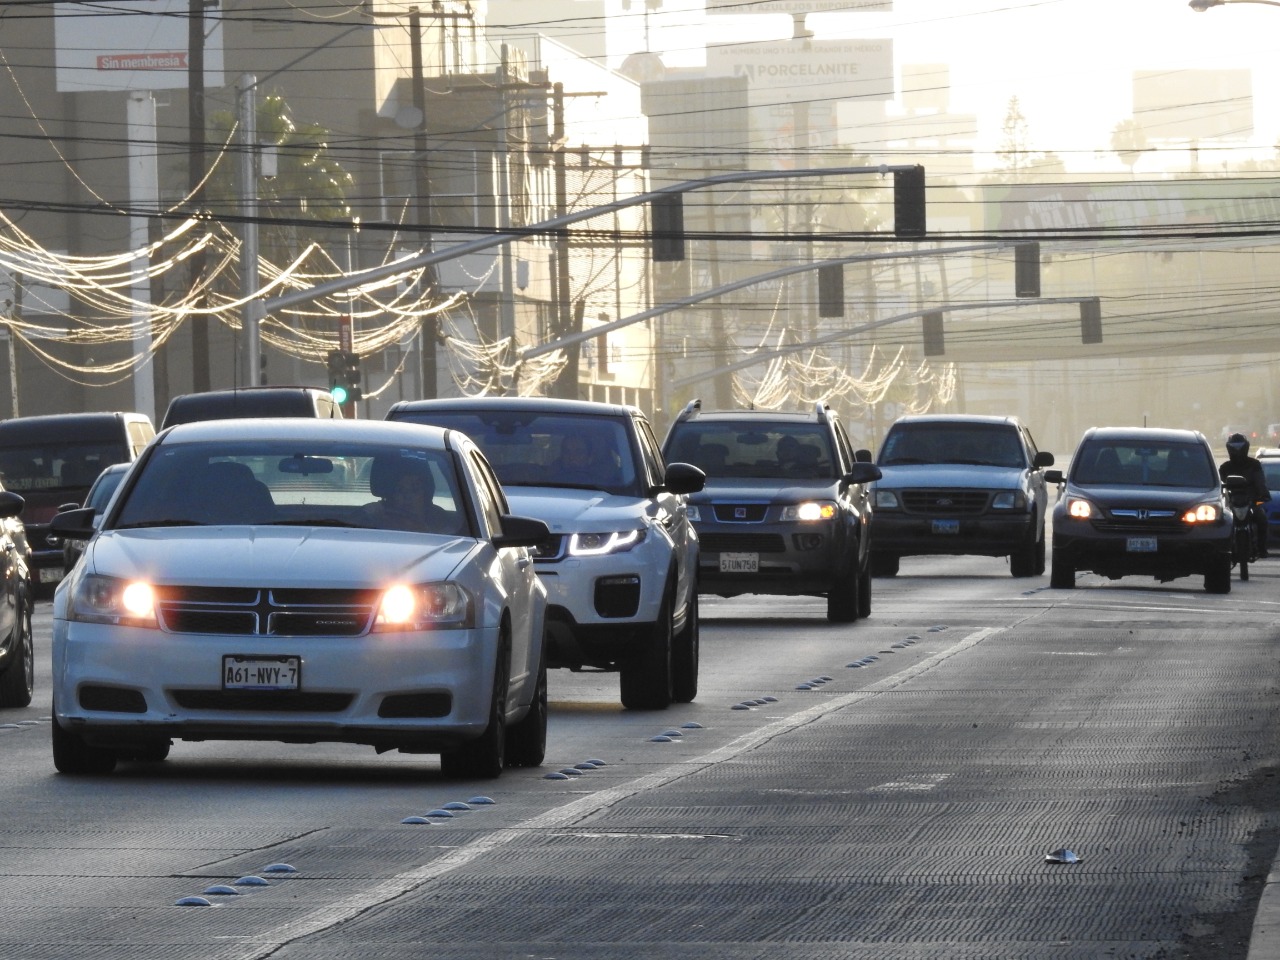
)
(977, 444)
(772, 451)
(1127, 462)
(57, 465)
(533, 449)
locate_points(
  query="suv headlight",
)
(1009, 500)
(427, 606)
(810, 511)
(887, 500)
(1079, 508)
(99, 599)
(1202, 513)
(601, 544)
(693, 514)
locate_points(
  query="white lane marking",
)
(558, 818)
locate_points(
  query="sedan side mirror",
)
(11, 504)
(863, 473)
(521, 532)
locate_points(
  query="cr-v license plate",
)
(1141, 545)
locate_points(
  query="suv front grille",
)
(740, 512)
(1140, 520)
(945, 502)
(239, 611)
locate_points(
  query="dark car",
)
(98, 497)
(1141, 501)
(53, 460)
(274, 401)
(621, 567)
(955, 484)
(1270, 459)
(784, 509)
(17, 646)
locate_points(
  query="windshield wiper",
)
(314, 522)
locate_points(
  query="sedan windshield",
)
(313, 482)
(1143, 462)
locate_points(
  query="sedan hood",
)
(756, 488)
(231, 556)
(951, 475)
(581, 511)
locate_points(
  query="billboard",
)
(142, 48)
(799, 6)
(790, 71)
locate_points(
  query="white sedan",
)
(267, 580)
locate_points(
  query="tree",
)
(1015, 148)
(1129, 142)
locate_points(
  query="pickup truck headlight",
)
(887, 500)
(601, 544)
(693, 514)
(1009, 500)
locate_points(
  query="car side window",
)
(650, 452)
(846, 448)
(492, 503)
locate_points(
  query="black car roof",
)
(530, 404)
(1142, 433)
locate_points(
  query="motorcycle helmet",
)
(1237, 446)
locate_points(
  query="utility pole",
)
(247, 107)
(422, 197)
(567, 383)
(195, 182)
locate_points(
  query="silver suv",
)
(956, 484)
(621, 566)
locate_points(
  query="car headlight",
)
(1202, 513)
(810, 510)
(693, 513)
(427, 606)
(1080, 509)
(99, 599)
(600, 544)
(886, 500)
(1009, 500)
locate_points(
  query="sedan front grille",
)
(281, 612)
(941, 502)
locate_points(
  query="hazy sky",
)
(1070, 62)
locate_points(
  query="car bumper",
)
(418, 690)
(987, 535)
(771, 558)
(1111, 555)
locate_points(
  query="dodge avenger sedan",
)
(303, 581)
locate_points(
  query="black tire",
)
(684, 656)
(18, 684)
(156, 752)
(527, 738)
(864, 592)
(484, 757)
(1244, 551)
(884, 565)
(1063, 574)
(842, 599)
(1022, 562)
(646, 680)
(1217, 578)
(74, 757)
(1040, 552)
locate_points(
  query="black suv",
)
(957, 484)
(784, 509)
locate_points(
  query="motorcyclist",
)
(1239, 462)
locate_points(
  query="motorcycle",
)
(1244, 546)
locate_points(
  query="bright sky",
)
(1069, 62)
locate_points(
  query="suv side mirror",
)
(74, 524)
(683, 478)
(521, 532)
(863, 473)
(1043, 458)
(1053, 476)
(862, 456)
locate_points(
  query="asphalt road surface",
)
(801, 807)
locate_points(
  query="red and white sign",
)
(140, 46)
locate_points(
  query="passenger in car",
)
(406, 491)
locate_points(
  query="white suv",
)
(621, 567)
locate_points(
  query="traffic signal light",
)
(666, 215)
(1026, 262)
(344, 376)
(908, 203)
(933, 345)
(831, 290)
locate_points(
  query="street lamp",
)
(1200, 6)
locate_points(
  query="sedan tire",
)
(17, 686)
(72, 756)
(527, 739)
(484, 757)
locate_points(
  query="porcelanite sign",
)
(789, 71)
(143, 46)
(799, 6)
